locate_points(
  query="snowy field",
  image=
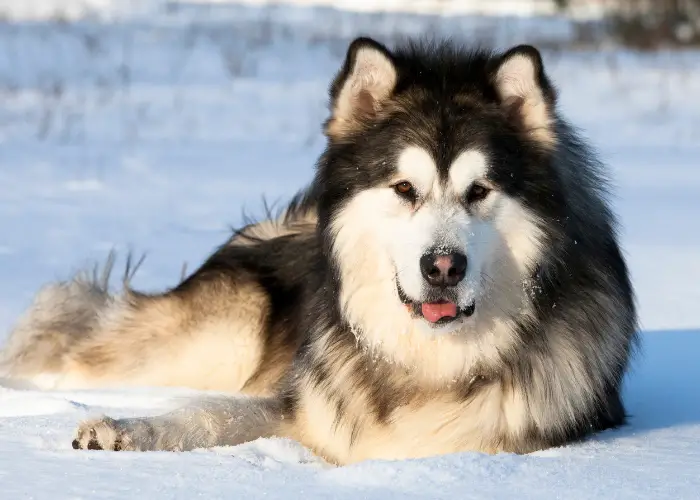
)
(155, 131)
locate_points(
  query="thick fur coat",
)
(451, 280)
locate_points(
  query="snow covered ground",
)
(154, 132)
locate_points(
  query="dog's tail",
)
(78, 334)
(62, 315)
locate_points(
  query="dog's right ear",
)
(361, 88)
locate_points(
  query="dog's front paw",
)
(101, 434)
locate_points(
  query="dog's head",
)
(436, 174)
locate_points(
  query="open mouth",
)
(438, 312)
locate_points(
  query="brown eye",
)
(477, 192)
(405, 189)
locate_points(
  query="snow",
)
(152, 132)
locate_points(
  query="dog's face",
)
(429, 181)
(440, 229)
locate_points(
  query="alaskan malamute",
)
(451, 280)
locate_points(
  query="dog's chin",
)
(439, 313)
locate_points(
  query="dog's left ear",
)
(361, 88)
(525, 91)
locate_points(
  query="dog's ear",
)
(361, 88)
(525, 91)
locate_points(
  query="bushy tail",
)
(79, 325)
(62, 315)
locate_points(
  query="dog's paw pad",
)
(99, 434)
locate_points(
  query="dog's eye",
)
(477, 192)
(406, 190)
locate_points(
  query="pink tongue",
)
(433, 312)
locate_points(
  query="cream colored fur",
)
(371, 80)
(129, 337)
(516, 80)
(283, 225)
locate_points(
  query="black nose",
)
(440, 269)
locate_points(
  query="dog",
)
(450, 280)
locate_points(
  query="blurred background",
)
(151, 125)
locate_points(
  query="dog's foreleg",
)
(202, 424)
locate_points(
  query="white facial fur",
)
(439, 220)
(381, 237)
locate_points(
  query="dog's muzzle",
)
(437, 311)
